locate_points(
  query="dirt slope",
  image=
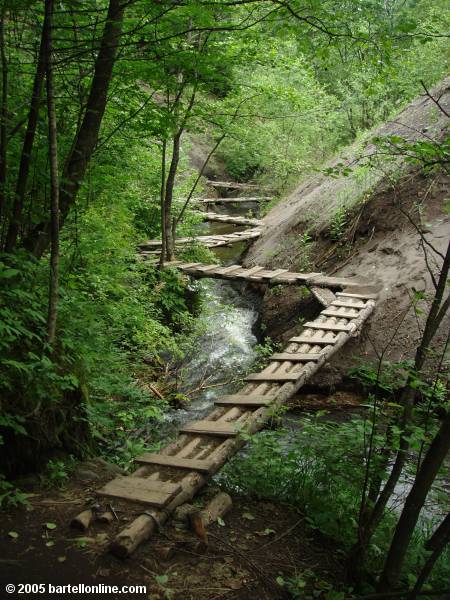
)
(378, 241)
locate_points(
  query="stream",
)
(224, 349)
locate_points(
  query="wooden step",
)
(359, 296)
(344, 304)
(205, 268)
(191, 464)
(295, 357)
(247, 272)
(343, 314)
(276, 273)
(229, 269)
(323, 295)
(273, 376)
(243, 400)
(326, 326)
(313, 340)
(138, 489)
(216, 428)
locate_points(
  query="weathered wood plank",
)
(192, 464)
(247, 272)
(138, 489)
(232, 184)
(343, 314)
(228, 270)
(276, 273)
(313, 340)
(217, 428)
(295, 357)
(348, 304)
(359, 296)
(243, 400)
(273, 376)
(323, 295)
(326, 326)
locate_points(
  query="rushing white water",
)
(222, 351)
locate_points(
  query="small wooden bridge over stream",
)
(171, 477)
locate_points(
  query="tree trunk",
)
(162, 203)
(87, 136)
(25, 159)
(3, 113)
(170, 184)
(437, 543)
(414, 502)
(437, 312)
(54, 179)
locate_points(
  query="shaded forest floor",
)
(259, 542)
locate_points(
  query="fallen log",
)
(200, 519)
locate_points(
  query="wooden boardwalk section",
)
(173, 476)
(233, 185)
(210, 241)
(276, 277)
(232, 220)
(238, 200)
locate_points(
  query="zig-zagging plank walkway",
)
(174, 475)
(210, 241)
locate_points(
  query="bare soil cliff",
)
(372, 212)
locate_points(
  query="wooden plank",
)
(348, 304)
(192, 464)
(287, 278)
(276, 273)
(327, 326)
(216, 428)
(324, 295)
(137, 489)
(189, 265)
(228, 270)
(206, 268)
(313, 340)
(231, 184)
(247, 272)
(343, 314)
(243, 400)
(273, 376)
(341, 282)
(295, 357)
(359, 296)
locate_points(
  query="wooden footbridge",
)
(210, 241)
(275, 277)
(231, 219)
(171, 477)
(237, 200)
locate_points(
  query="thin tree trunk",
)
(3, 112)
(170, 184)
(437, 543)
(87, 136)
(25, 159)
(162, 203)
(435, 316)
(54, 181)
(199, 176)
(415, 500)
